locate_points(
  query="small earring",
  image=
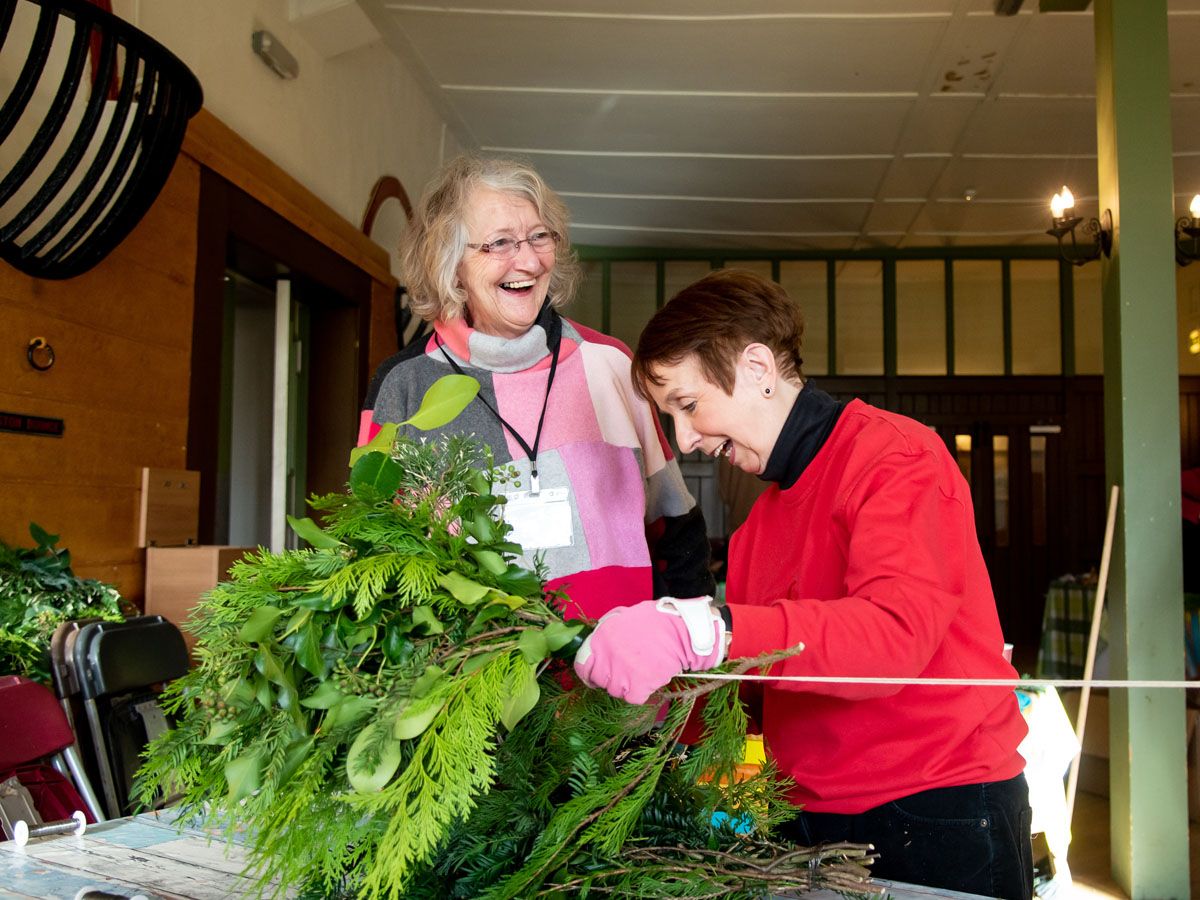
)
(766, 392)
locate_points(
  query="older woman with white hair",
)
(487, 261)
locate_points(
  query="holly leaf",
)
(442, 403)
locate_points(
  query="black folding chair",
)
(120, 668)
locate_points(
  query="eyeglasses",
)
(506, 248)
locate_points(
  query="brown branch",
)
(743, 666)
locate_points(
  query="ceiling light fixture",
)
(1187, 235)
(1097, 233)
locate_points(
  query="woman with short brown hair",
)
(862, 551)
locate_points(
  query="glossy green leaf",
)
(463, 589)
(396, 645)
(425, 618)
(267, 663)
(490, 561)
(348, 712)
(381, 443)
(442, 403)
(310, 531)
(482, 528)
(314, 600)
(218, 731)
(326, 696)
(533, 646)
(244, 775)
(264, 693)
(238, 692)
(487, 614)
(375, 476)
(260, 623)
(415, 719)
(296, 753)
(427, 681)
(523, 697)
(517, 580)
(308, 651)
(559, 634)
(371, 763)
(475, 663)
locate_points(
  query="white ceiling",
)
(786, 124)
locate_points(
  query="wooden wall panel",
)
(122, 336)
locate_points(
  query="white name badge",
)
(539, 521)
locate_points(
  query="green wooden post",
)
(1149, 822)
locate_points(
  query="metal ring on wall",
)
(40, 354)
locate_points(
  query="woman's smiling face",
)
(740, 426)
(504, 296)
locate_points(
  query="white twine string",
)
(1130, 684)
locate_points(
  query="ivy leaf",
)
(445, 399)
(260, 623)
(310, 531)
(523, 697)
(381, 443)
(308, 651)
(371, 763)
(462, 588)
(244, 775)
(375, 476)
(396, 645)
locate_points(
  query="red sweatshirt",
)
(871, 560)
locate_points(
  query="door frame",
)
(227, 215)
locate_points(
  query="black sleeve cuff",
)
(726, 617)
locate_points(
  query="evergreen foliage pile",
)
(390, 713)
(38, 592)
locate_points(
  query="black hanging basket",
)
(88, 132)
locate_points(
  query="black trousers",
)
(974, 838)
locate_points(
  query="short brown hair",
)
(713, 320)
(435, 241)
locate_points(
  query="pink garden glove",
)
(635, 650)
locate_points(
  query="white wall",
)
(343, 123)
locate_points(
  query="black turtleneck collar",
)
(804, 433)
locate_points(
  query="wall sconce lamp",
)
(1187, 235)
(1098, 232)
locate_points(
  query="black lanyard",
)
(554, 337)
